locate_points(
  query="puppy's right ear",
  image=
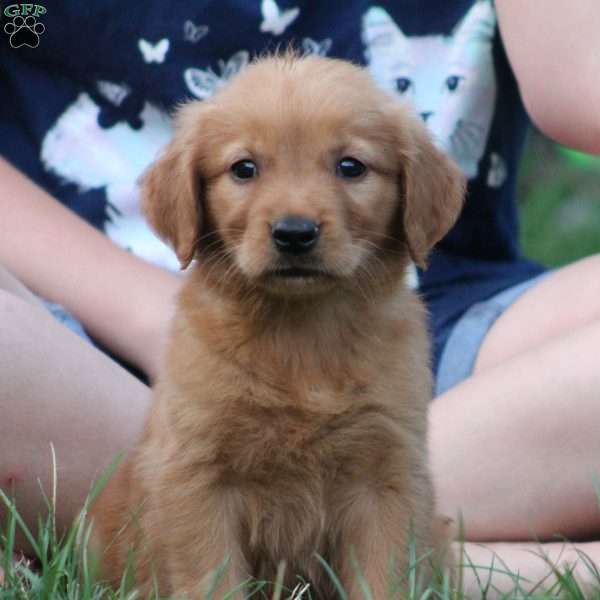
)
(433, 188)
(171, 191)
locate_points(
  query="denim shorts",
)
(460, 352)
(70, 322)
(66, 318)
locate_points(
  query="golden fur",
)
(290, 415)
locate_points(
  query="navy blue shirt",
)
(88, 90)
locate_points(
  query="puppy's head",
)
(300, 176)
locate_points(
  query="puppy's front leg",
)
(205, 557)
(376, 544)
(208, 579)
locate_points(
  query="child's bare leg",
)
(515, 447)
(9, 283)
(57, 389)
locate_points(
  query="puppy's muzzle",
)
(295, 235)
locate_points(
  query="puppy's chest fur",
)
(293, 443)
(269, 420)
(299, 395)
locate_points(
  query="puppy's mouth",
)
(293, 280)
(298, 273)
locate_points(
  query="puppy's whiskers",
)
(216, 261)
(366, 279)
(387, 273)
(383, 236)
(199, 241)
(366, 290)
(227, 255)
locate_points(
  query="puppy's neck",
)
(250, 308)
(338, 335)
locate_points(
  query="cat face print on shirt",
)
(80, 150)
(449, 79)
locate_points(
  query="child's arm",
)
(554, 50)
(123, 301)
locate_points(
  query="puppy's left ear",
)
(171, 190)
(433, 190)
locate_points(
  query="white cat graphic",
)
(79, 151)
(449, 79)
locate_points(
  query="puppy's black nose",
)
(295, 235)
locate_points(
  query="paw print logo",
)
(24, 31)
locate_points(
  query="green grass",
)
(61, 570)
(560, 203)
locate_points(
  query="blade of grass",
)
(9, 545)
(299, 590)
(54, 489)
(11, 506)
(278, 588)
(216, 578)
(334, 579)
(101, 482)
(362, 581)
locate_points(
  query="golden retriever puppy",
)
(289, 420)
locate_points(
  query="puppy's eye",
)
(244, 169)
(351, 168)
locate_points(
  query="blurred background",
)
(559, 192)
